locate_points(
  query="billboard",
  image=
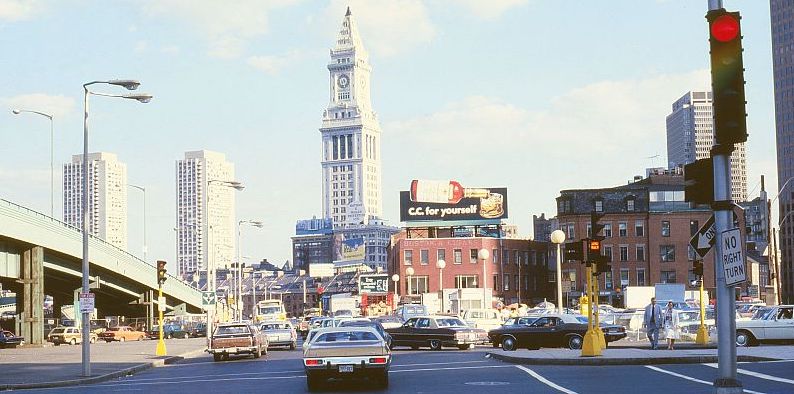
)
(314, 226)
(321, 270)
(348, 249)
(377, 283)
(487, 204)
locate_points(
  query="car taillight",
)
(314, 362)
(378, 360)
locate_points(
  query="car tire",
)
(509, 344)
(92, 340)
(73, 342)
(575, 342)
(435, 344)
(495, 344)
(168, 336)
(217, 357)
(744, 338)
(140, 338)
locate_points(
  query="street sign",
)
(378, 283)
(86, 302)
(161, 304)
(704, 239)
(733, 257)
(208, 298)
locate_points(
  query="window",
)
(465, 281)
(473, 256)
(458, 256)
(506, 256)
(569, 231)
(624, 253)
(441, 254)
(624, 277)
(496, 283)
(623, 229)
(506, 282)
(408, 257)
(639, 228)
(640, 252)
(667, 253)
(608, 280)
(599, 206)
(607, 252)
(665, 228)
(608, 229)
(668, 277)
(495, 255)
(424, 257)
(418, 284)
(641, 277)
(630, 205)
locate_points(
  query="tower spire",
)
(348, 11)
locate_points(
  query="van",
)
(487, 319)
(408, 311)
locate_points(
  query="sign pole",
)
(160, 307)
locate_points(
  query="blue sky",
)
(537, 96)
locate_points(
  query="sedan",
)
(280, 333)
(347, 353)
(436, 332)
(769, 324)
(8, 339)
(121, 334)
(550, 330)
(370, 323)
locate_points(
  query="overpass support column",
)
(33, 295)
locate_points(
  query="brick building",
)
(648, 226)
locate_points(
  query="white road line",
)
(756, 374)
(678, 375)
(544, 380)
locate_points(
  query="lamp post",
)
(143, 189)
(409, 272)
(483, 255)
(210, 228)
(441, 264)
(558, 237)
(52, 158)
(143, 98)
(256, 224)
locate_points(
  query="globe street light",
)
(409, 272)
(441, 264)
(52, 159)
(144, 98)
(558, 237)
(396, 279)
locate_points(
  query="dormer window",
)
(598, 205)
(630, 204)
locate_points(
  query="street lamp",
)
(143, 98)
(396, 279)
(441, 264)
(52, 159)
(409, 272)
(558, 237)
(256, 224)
(483, 255)
(143, 189)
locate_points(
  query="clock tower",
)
(350, 134)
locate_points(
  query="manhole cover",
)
(487, 383)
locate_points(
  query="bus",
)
(269, 310)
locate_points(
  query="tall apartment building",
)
(107, 201)
(782, 15)
(351, 135)
(205, 215)
(690, 137)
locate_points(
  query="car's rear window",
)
(346, 336)
(57, 330)
(232, 330)
(276, 326)
(450, 322)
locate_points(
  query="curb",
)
(620, 361)
(102, 378)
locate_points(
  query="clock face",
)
(343, 81)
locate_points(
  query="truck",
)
(637, 297)
(344, 301)
(237, 338)
(670, 292)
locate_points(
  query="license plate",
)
(346, 368)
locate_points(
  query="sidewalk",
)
(624, 355)
(56, 366)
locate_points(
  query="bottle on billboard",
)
(443, 192)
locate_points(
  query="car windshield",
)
(231, 330)
(57, 331)
(762, 314)
(346, 336)
(450, 322)
(581, 319)
(269, 310)
(276, 326)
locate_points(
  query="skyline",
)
(470, 81)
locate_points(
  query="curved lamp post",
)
(52, 157)
(558, 237)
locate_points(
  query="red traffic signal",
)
(725, 28)
(727, 77)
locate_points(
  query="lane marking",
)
(544, 380)
(678, 375)
(756, 374)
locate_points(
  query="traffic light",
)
(699, 181)
(161, 272)
(727, 77)
(697, 268)
(573, 251)
(595, 227)
(594, 251)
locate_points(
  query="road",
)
(447, 371)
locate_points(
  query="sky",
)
(534, 95)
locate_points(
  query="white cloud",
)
(17, 10)
(387, 27)
(227, 25)
(272, 65)
(491, 9)
(58, 106)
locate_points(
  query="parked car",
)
(347, 352)
(70, 335)
(8, 339)
(199, 330)
(550, 330)
(436, 332)
(237, 338)
(769, 324)
(121, 334)
(280, 333)
(487, 319)
(370, 323)
(169, 331)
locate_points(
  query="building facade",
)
(351, 135)
(313, 243)
(107, 191)
(782, 14)
(205, 212)
(690, 137)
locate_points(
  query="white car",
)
(487, 319)
(769, 324)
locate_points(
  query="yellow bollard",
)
(591, 346)
(703, 334)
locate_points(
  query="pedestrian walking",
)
(670, 325)
(653, 322)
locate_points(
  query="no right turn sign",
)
(732, 257)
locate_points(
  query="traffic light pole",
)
(160, 343)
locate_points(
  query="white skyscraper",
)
(351, 135)
(690, 137)
(107, 190)
(204, 212)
